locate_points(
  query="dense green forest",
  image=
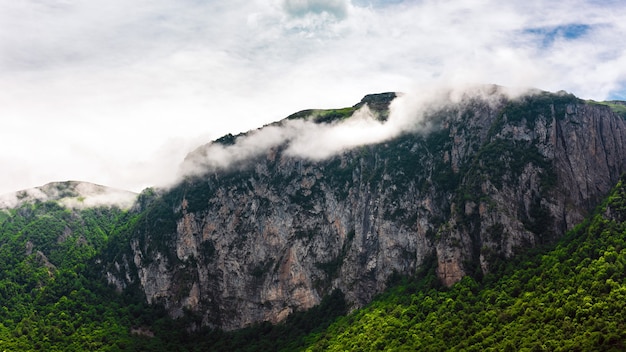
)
(566, 296)
(51, 296)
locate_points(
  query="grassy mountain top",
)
(377, 103)
(617, 106)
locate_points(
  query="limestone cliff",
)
(276, 232)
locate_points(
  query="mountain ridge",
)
(72, 194)
(483, 177)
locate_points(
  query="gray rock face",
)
(275, 235)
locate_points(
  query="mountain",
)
(480, 220)
(263, 227)
(71, 194)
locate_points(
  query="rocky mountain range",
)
(257, 230)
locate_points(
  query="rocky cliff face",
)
(275, 233)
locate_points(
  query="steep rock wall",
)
(277, 233)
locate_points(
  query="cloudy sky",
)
(117, 92)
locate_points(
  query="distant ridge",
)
(72, 194)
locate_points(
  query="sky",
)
(118, 92)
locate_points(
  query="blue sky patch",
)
(568, 31)
(618, 94)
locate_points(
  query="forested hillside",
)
(53, 296)
(569, 296)
(51, 293)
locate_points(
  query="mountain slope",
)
(474, 182)
(570, 298)
(565, 297)
(52, 295)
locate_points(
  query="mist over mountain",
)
(271, 221)
(324, 208)
(317, 134)
(71, 194)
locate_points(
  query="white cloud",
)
(305, 138)
(117, 93)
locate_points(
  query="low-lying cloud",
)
(308, 139)
(71, 194)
